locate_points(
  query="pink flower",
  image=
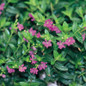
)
(60, 45)
(47, 43)
(33, 48)
(70, 41)
(33, 32)
(22, 68)
(48, 23)
(38, 35)
(3, 76)
(10, 28)
(32, 18)
(10, 70)
(42, 66)
(34, 70)
(25, 39)
(0, 12)
(33, 61)
(2, 6)
(20, 26)
(83, 36)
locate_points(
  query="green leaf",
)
(60, 67)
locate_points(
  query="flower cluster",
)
(20, 26)
(49, 24)
(68, 42)
(1, 8)
(47, 43)
(22, 68)
(10, 70)
(42, 66)
(32, 18)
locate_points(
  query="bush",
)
(38, 36)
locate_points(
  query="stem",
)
(8, 42)
(18, 48)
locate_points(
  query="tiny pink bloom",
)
(10, 70)
(47, 43)
(32, 18)
(25, 39)
(34, 70)
(33, 32)
(22, 68)
(85, 27)
(70, 41)
(60, 45)
(20, 26)
(3, 76)
(48, 23)
(10, 28)
(83, 36)
(34, 48)
(33, 60)
(0, 12)
(2, 6)
(42, 66)
(38, 35)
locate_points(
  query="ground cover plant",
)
(42, 36)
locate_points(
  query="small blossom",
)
(2, 6)
(33, 32)
(38, 35)
(22, 68)
(47, 43)
(3, 76)
(34, 70)
(10, 70)
(20, 26)
(83, 36)
(60, 45)
(33, 48)
(32, 18)
(70, 41)
(25, 39)
(0, 12)
(10, 28)
(48, 23)
(42, 66)
(33, 60)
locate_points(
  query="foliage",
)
(66, 65)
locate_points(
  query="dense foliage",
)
(38, 36)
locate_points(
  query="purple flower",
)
(32, 18)
(83, 36)
(38, 35)
(70, 41)
(2, 6)
(60, 45)
(42, 66)
(33, 32)
(3, 76)
(25, 39)
(47, 43)
(20, 26)
(34, 70)
(22, 68)
(10, 70)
